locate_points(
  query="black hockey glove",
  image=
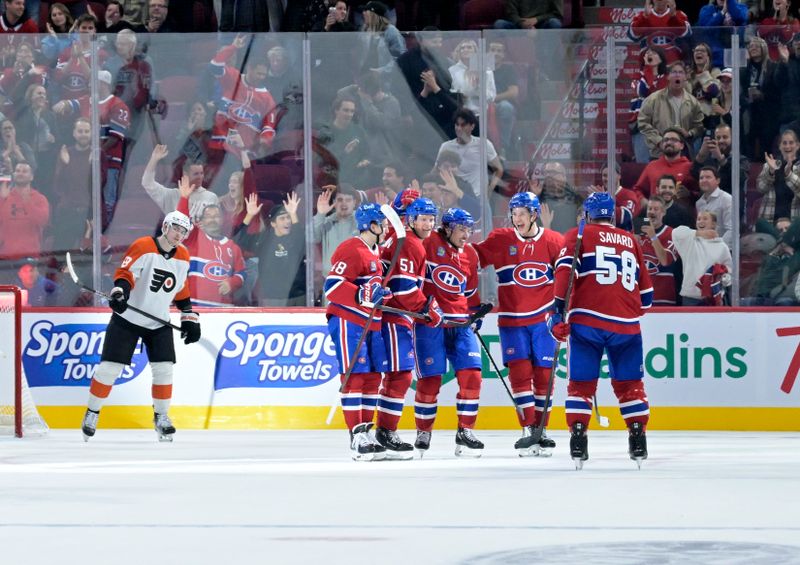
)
(117, 300)
(190, 327)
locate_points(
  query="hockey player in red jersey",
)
(452, 279)
(152, 275)
(524, 258)
(405, 281)
(352, 287)
(611, 290)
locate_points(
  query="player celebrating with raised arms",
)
(524, 258)
(452, 279)
(405, 282)
(152, 275)
(611, 289)
(352, 287)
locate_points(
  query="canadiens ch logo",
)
(215, 271)
(449, 279)
(241, 113)
(162, 279)
(531, 274)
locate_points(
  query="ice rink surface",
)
(296, 497)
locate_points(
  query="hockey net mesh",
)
(32, 422)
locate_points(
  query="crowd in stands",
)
(215, 125)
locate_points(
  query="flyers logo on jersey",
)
(449, 279)
(531, 274)
(162, 279)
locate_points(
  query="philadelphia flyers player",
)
(452, 279)
(152, 275)
(611, 290)
(405, 281)
(352, 287)
(524, 258)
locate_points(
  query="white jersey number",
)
(611, 267)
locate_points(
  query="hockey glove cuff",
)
(370, 294)
(557, 327)
(117, 300)
(433, 312)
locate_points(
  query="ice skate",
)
(423, 442)
(163, 426)
(360, 444)
(379, 450)
(579, 445)
(89, 426)
(526, 447)
(637, 443)
(396, 448)
(467, 445)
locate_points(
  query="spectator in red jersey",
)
(659, 252)
(217, 267)
(132, 78)
(24, 213)
(661, 24)
(15, 81)
(628, 203)
(671, 162)
(779, 28)
(16, 20)
(244, 105)
(74, 59)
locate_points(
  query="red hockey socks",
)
(541, 377)
(390, 399)
(369, 396)
(351, 399)
(425, 402)
(467, 399)
(633, 403)
(520, 375)
(579, 402)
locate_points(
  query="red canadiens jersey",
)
(451, 276)
(406, 279)
(660, 30)
(353, 264)
(249, 110)
(662, 276)
(213, 261)
(612, 286)
(70, 74)
(156, 279)
(524, 270)
(628, 206)
(777, 33)
(115, 118)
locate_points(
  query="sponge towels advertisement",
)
(726, 359)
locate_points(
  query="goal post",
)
(18, 413)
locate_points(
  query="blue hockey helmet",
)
(420, 207)
(458, 217)
(599, 205)
(526, 200)
(366, 214)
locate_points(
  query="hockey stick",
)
(400, 232)
(499, 374)
(484, 309)
(147, 315)
(537, 433)
(602, 420)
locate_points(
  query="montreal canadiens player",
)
(405, 282)
(611, 290)
(452, 279)
(352, 287)
(524, 258)
(152, 275)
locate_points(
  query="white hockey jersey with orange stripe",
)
(156, 279)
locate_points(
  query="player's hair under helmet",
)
(366, 214)
(178, 219)
(526, 200)
(420, 207)
(457, 217)
(599, 205)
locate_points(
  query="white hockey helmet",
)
(178, 219)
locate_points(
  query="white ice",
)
(296, 497)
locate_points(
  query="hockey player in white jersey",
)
(152, 275)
